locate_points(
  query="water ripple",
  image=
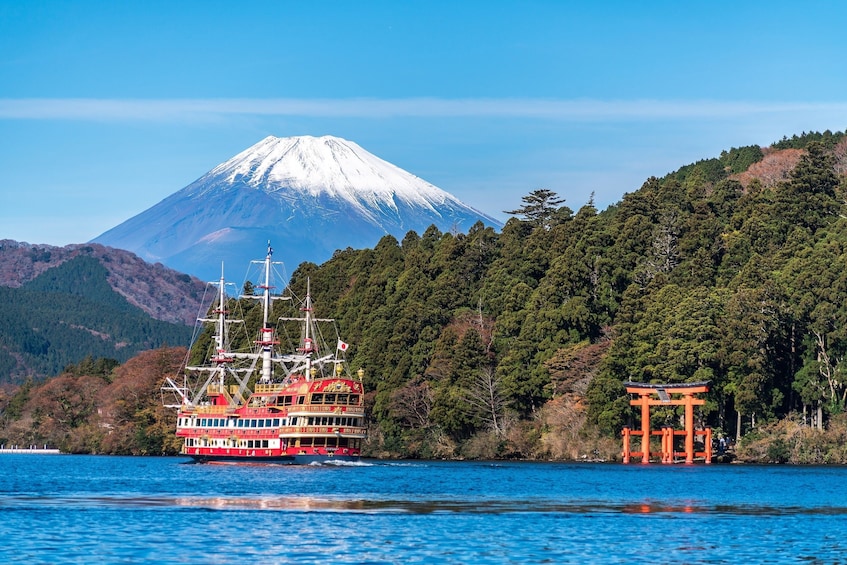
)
(469, 506)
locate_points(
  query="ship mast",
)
(266, 341)
(308, 339)
(221, 356)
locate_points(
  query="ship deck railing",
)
(211, 409)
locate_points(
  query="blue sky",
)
(106, 108)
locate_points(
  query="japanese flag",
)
(342, 346)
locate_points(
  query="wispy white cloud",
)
(107, 110)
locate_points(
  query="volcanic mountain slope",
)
(308, 195)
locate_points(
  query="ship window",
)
(202, 422)
(261, 423)
(286, 401)
(342, 399)
(268, 423)
(354, 399)
(264, 443)
(276, 422)
(317, 398)
(301, 399)
(329, 399)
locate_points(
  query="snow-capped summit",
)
(332, 167)
(308, 195)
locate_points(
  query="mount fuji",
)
(308, 196)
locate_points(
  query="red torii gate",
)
(681, 394)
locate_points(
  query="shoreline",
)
(33, 451)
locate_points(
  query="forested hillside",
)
(731, 270)
(500, 344)
(161, 292)
(70, 312)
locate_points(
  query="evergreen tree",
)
(542, 208)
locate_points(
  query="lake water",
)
(89, 509)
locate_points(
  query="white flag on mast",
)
(342, 346)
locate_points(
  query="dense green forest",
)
(517, 344)
(68, 313)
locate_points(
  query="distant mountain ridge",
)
(162, 293)
(70, 311)
(309, 196)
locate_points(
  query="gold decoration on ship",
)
(337, 386)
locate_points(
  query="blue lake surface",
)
(90, 509)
